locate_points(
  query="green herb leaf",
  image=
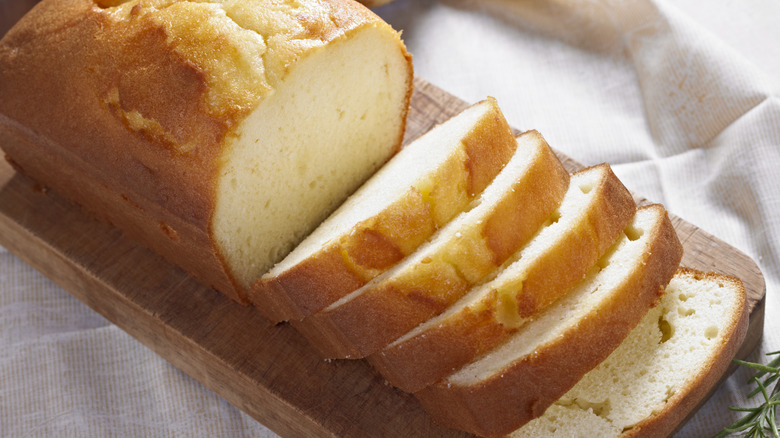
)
(759, 421)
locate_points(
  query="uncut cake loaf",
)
(218, 134)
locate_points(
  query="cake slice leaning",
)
(593, 214)
(422, 188)
(515, 382)
(509, 212)
(664, 368)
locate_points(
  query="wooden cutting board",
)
(267, 371)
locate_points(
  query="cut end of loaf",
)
(337, 117)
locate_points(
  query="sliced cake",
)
(593, 214)
(526, 193)
(515, 382)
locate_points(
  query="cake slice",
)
(422, 188)
(515, 382)
(510, 211)
(412, 363)
(594, 212)
(664, 368)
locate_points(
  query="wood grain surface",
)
(267, 371)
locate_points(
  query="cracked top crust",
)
(223, 39)
(178, 76)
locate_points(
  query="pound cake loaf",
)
(516, 381)
(217, 133)
(474, 244)
(664, 368)
(417, 192)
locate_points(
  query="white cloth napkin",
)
(681, 97)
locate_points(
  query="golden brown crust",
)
(75, 120)
(77, 81)
(139, 219)
(488, 149)
(376, 244)
(571, 261)
(459, 338)
(395, 305)
(539, 192)
(66, 73)
(523, 390)
(356, 334)
(686, 399)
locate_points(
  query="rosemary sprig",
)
(760, 420)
